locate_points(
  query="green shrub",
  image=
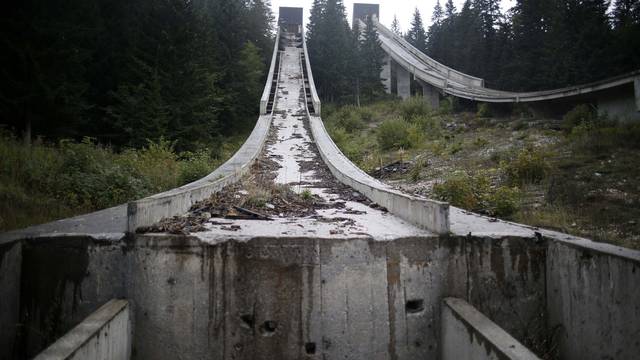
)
(484, 110)
(464, 190)
(456, 147)
(194, 166)
(44, 182)
(393, 134)
(529, 166)
(348, 118)
(430, 125)
(449, 105)
(480, 142)
(601, 139)
(416, 171)
(414, 107)
(581, 115)
(415, 136)
(504, 201)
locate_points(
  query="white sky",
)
(403, 9)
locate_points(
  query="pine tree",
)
(416, 35)
(438, 14)
(623, 12)
(626, 43)
(395, 26)
(450, 9)
(373, 59)
(331, 50)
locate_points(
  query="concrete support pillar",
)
(431, 95)
(404, 82)
(636, 87)
(385, 74)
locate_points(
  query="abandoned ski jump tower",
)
(362, 272)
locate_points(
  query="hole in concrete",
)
(414, 306)
(248, 320)
(310, 348)
(268, 328)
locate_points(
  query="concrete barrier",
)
(264, 100)
(593, 299)
(447, 72)
(468, 334)
(312, 85)
(10, 276)
(105, 334)
(148, 211)
(178, 201)
(428, 214)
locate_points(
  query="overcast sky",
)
(403, 9)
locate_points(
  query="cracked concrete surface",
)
(293, 147)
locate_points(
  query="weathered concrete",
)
(109, 223)
(300, 298)
(178, 201)
(363, 11)
(404, 82)
(288, 298)
(590, 309)
(385, 74)
(593, 303)
(618, 104)
(63, 280)
(431, 95)
(266, 93)
(429, 214)
(105, 334)
(467, 334)
(465, 86)
(10, 278)
(317, 105)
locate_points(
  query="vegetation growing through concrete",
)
(47, 181)
(576, 175)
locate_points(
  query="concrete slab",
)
(105, 334)
(292, 147)
(469, 334)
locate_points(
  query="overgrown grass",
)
(44, 182)
(581, 177)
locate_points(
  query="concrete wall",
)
(385, 74)
(620, 103)
(431, 95)
(593, 302)
(178, 201)
(264, 100)
(404, 82)
(324, 299)
(63, 281)
(313, 298)
(10, 276)
(105, 334)
(469, 335)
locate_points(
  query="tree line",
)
(346, 61)
(125, 71)
(538, 44)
